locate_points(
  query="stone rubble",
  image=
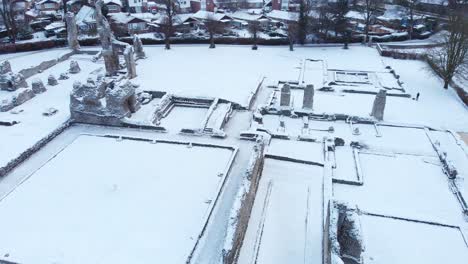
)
(74, 67)
(38, 86)
(51, 80)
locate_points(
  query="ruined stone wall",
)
(44, 65)
(343, 242)
(246, 206)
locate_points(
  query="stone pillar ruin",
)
(130, 62)
(285, 99)
(308, 100)
(109, 52)
(379, 105)
(72, 31)
(138, 47)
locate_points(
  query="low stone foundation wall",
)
(45, 65)
(30, 151)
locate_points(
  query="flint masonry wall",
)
(33, 149)
(246, 206)
(44, 65)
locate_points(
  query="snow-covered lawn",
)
(101, 200)
(390, 241)
(232, 72)
(286, 221)
(404, 186)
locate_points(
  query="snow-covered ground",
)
(408, 186)
(117, 192)
(33, 124)
(24, 60)
(390, 241)
(107, 201)
(232, 72)
(306, 151)
(184, 117)
(286, 222)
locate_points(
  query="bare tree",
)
(448, 59)
(166, 25)
(292, 34)
(214, 26)
(325, 20)
(370, 10)
(6, 11)
(410, 6)
(338, 10)
(254, 28)
(242, 4)
(303, 22)
(65, 7)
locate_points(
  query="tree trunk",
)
(446, 84)
(411, 23)
(291, 46)
(366, 37)
(254, 46)
(212, 44)
(168, 43)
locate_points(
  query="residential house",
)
(86, 20)
(184, 6)
(50, 8)
(113, 6)
(207, 5)
(137, 6)
(45, 6)
(257, 4)
(356, 16)
(227, 5)
(55, 29)
(183, 23)
(125, 24)
(242, 18)
(186, 23)
(74, 5)
(285, 5)
(19, 8)
(195, 6)
(281, 18)
(207, 15)
(434, 6)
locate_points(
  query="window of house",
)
(112, 8)
(49, 6)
